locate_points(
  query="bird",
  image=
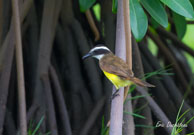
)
(114, 68)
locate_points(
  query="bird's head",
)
(97, 52)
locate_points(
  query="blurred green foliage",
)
(189, 40)
(97, 11)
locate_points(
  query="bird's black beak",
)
(87, 56)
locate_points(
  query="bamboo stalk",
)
(20, 70)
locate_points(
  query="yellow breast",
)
(117, 81)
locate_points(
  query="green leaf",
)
(190, 133)
(145, 126)
(139, 21)
(38, 125)
(155, 24)
(156, 10)
(182, 7)
(179, 21)
(104, 128)
(135, 115)
(97, 10)
(85, 4)
(114, 6)
(137, 97)
(192, 2)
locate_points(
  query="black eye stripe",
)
(101, 51)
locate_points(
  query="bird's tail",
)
(141, 83)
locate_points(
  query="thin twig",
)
(128, 127)
(92, 25)
(127, 28)
(190, 22)
(20, 70)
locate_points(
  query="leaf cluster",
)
(157, 14)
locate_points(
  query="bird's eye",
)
(95, 51)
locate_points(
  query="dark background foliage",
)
(72, 96)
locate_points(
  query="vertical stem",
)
(128, 127)
(20, 70)
(127, 33)
(127, 28)
(116, 118)
(6, 56)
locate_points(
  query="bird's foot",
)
(115, 94)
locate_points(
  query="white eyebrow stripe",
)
(101, 47)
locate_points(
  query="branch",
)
(190, 22)
(20, 70)
(92, 25)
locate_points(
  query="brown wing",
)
(113, 64)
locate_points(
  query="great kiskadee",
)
(115, 69)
